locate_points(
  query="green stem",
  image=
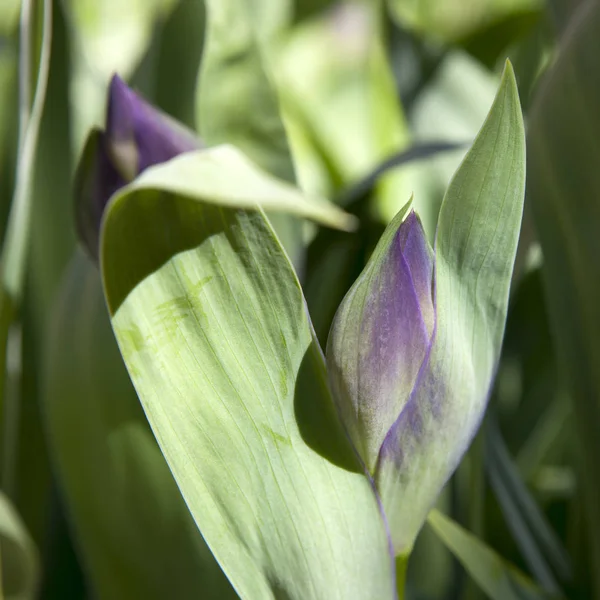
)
(401, 566)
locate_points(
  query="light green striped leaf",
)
(212, 324)
(133, 530)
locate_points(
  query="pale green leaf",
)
(497, 578)
(212, 324)
(18, 555)
(223, 175)
(564, 187)
(131, 525)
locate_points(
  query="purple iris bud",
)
(380, 373)
(137, 136)
(381, 335)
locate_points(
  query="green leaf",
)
(17, 236)
(336, 82)
(18, 555)
(564, 187)
(539, 544)
(497, 578)
(452, 20)
(212, 324)
(106, 37)
(131, 524)
(223, 175)
(34, 49)
(236, 102)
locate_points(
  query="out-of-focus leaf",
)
(453, 20)
(212, 324)
(538, 543)
(52, 243)
(107, 36)
(9, 16)
(564, 187)
(450, 108)
(34, 62)
(132, 526)
(8, 106)
(562, 11)
(18, 555)
(176, 73)
(236, 101)
(498, 579)
(17, 235)
(334, 74)
(418, 152)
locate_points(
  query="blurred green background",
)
(380, 100)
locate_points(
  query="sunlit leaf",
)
(132, 527)
(213, 327)
(224, 175)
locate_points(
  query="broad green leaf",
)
(213, 327)
(498, 579)
(18, 555)
(107, 36)
(136, 536)
(564, 187)
(475, 249)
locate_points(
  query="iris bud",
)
(136, 136)
(381, 334)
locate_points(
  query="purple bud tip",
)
(137, 136)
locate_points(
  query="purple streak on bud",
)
(137, 136)
(381, 335)
(419, 257)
